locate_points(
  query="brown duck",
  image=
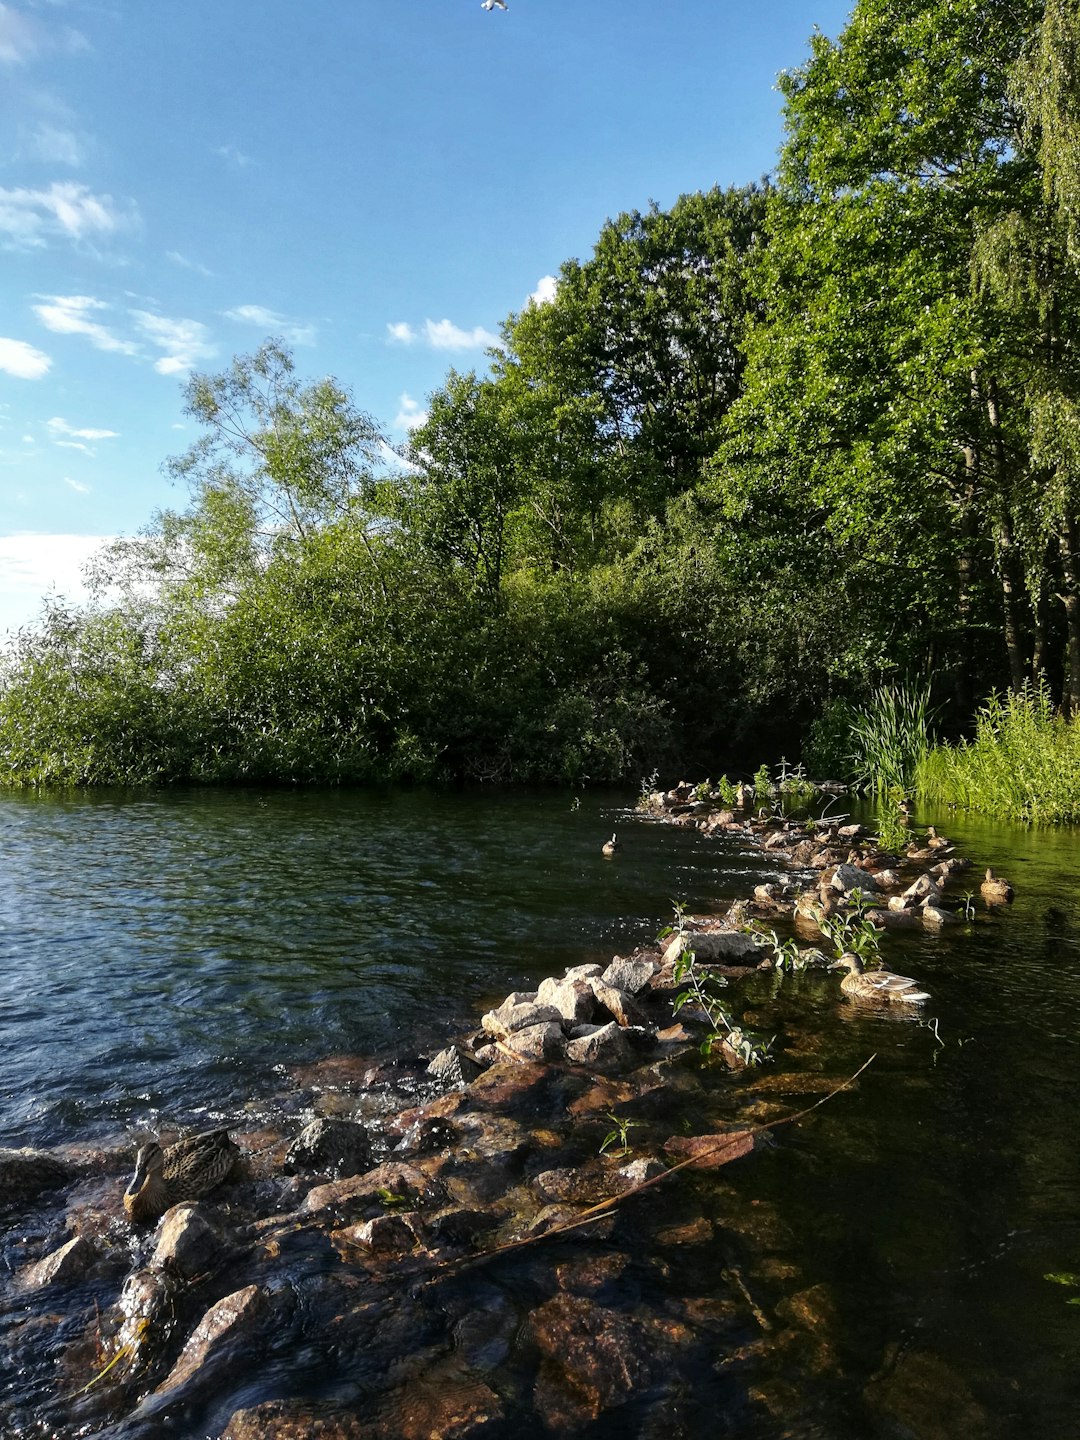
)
(184, 1171)
(879, 985)
(995, 890)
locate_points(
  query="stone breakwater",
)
(363, 1272)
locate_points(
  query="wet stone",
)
(292, 1420)
(359, 1191)
(620, 1006)
(606, 1046)
(61, 1267)
(218, 1337)
(330, 1147)
(453, 1069)
(576, 1186)
(384, 1234)
(25, 1173)
(187, 1242)
(517, 1012)
(709, 1152)
(694, 1232)
(591, 1273)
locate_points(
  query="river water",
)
(164, 958)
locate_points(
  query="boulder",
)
(572, 999)
(329, 1147)
(607, 1045)
(453, 1069)
(61, 1267)
(923, 891)
(934, 918)
(25, 1173)
(383, 1233)
(735, 947)
(616, 1003)
(543, 1041)
(188, 1243)
(846, 878)
(516, 1013)
(218, 1339)
(630, 975)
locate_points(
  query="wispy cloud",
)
(184, 342)
(74, 445)
(186, 264)
(411, 413)
(273, 323)
(442, 335)
(18, 37)
(72, 315)
(76, 485)
(545, 290)
(233, 155)
(57, 426)
(22, 360)
(51, 144)
(66, 210)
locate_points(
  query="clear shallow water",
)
(162, 957)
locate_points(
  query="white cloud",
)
(18, 40)
(32, 564)
(411, 414)
(22, 360)
(70, 315)
(52, 144)
(61, 427)
(74, 445)
(443, 335)
(77, 486)
(233, 155)
(272, 323)
(30, 218)
(186, 264)
(545, 290)
(185, 342)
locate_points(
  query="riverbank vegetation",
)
(763, 454)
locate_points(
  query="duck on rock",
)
(184, 1171)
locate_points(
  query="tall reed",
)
(1023, 762)
(890, 738)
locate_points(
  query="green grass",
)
(889, 739)
(1023, 762)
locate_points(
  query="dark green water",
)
(161, 958)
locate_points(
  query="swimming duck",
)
(184, 1171)
(880, 985)
(610, 846)
(995, 890)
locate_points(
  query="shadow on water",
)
(163, 958)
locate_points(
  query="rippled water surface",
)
(161, 958)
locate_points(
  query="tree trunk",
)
(1069, 545)
(1011, 584)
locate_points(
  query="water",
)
(163, 958)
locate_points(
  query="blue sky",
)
(380, 182)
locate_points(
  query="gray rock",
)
(606, 1046)
(573, 999)
(734, 946)
(25, 1173)
(330, 1147)
(934, 918)
(453, 1069)
(63, 1266)
(923, 891)
(537, 1042)
(631, 976)
(583, 972)
(620, 1006)
(188, 1243)
(638, 1171)
(849, 877)
(383, 1233)
(516, 1013)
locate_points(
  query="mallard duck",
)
(184, 1171)
(610, 846)
(995, 890)
(880, 985)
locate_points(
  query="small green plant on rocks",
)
(849, 931)
(785, 953)
(618, 1134)
(700, 991)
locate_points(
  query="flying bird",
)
(492, 4)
